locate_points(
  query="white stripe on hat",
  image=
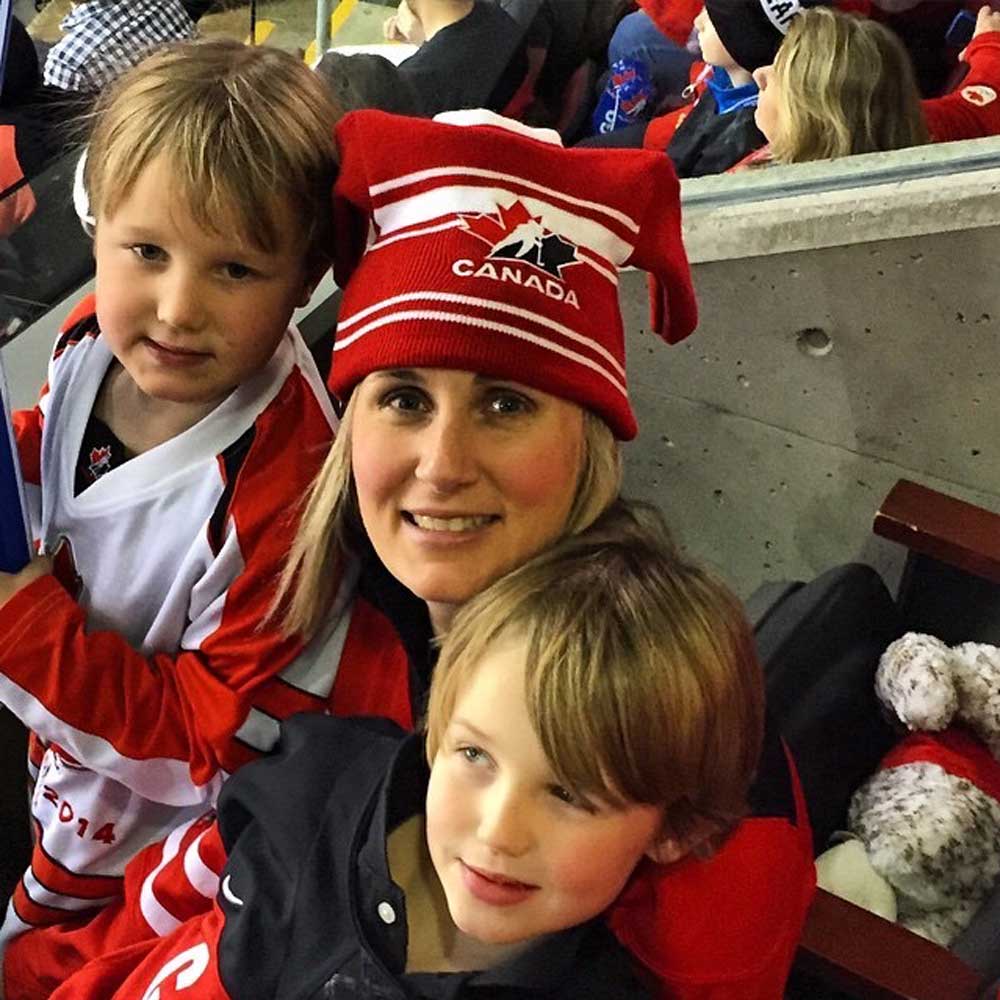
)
(486, 304)
(781, 12)
(495, 175)
(483, 324)
(582, 257)
(449, 201)
(425, 231)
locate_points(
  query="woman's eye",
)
(405, 401)
(149, 252)
(509, 404)
(237, 271)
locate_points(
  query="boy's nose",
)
(179, 302)
(761, 75)
(504, 825)
(447, 460)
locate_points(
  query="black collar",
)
(542, 967)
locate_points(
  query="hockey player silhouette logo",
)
(99, 461)
(513, 234)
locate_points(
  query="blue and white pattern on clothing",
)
(103, 38)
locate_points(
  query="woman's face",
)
(461, 477)
(768, 114)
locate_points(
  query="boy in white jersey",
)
(181, 422)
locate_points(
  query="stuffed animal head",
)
(929, 685)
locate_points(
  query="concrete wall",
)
(770, 449)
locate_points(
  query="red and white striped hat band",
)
(474, 242)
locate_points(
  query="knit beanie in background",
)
(752, 30)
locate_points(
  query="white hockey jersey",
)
(137, 689)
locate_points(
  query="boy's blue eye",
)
(472, 754)
(237, 271)
(564, 795)
(148, 252)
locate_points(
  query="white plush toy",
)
(925, 828)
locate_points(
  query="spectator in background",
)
(812, 107)
(472, 53)
(657, 35)
(840, 85)
(103, 38)
(20, 155)
(718, 129)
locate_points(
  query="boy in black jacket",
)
(599, 705)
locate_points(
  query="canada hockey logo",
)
(516, 238)
(513, 234)
(100, 461)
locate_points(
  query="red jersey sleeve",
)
(185, 963)
(165, 885)
(972, 110)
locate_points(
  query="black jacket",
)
(709, 143)
(305, 830)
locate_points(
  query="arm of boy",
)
(163, 724)
(972, 110)
(187, 960)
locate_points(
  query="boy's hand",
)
(11, 583)
(987, 20)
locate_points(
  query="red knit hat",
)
(491, 248)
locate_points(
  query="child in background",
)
(181, 423)
(814, 107)
(599, 705)
(718, 129)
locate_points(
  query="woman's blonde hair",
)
(845, 86)
(241, 127)
(331, 527)
(642, 679)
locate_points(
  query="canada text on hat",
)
(476, 243)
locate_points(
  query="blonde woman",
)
(480, 355)
(839, 85)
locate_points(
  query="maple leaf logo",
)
(514, 234)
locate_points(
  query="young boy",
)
(600, 705)
(181, 422)
(717, 130)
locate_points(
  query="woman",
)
(839, 85)
(480, 355)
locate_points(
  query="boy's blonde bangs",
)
(642, 679)
(242, 129)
